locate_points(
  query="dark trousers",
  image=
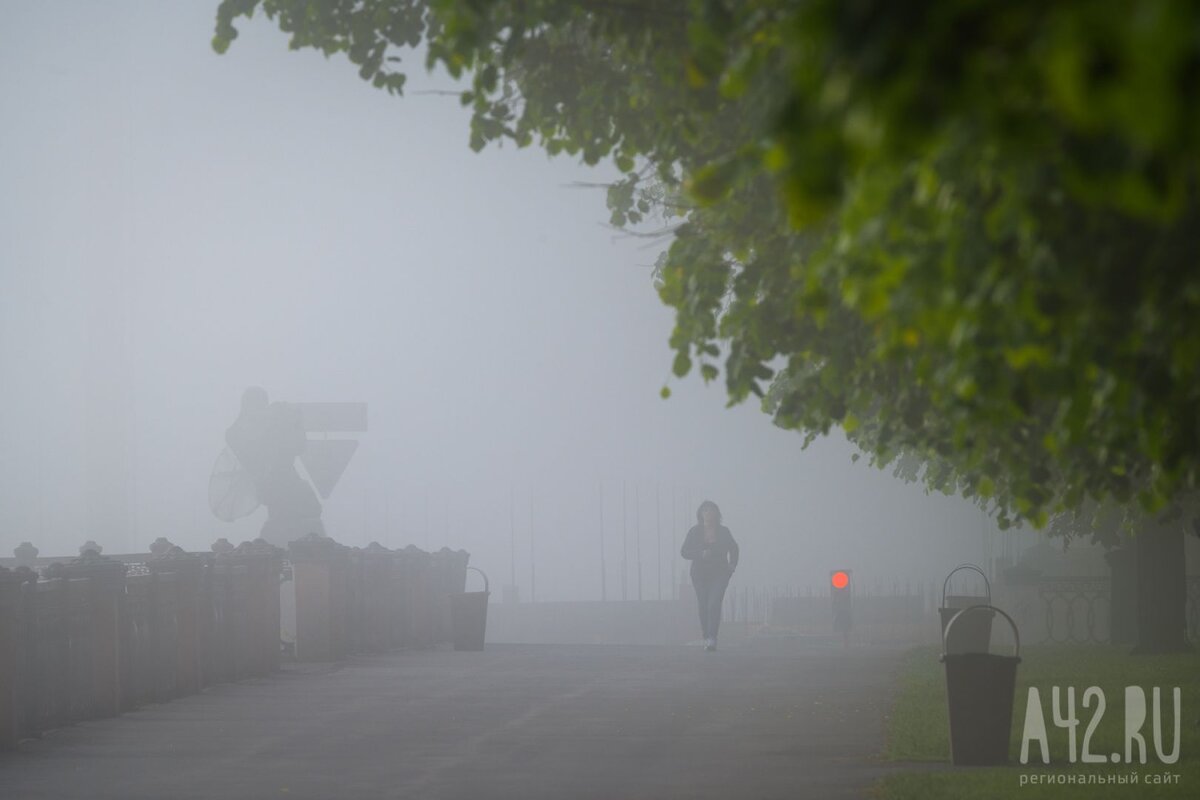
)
(710, 596)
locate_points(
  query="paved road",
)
(777, 719)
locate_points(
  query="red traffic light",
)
(840, 579)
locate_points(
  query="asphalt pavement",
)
(780, 718)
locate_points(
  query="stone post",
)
(398, 602)
(26, 555)
(221, 657)
(419, 566)
(239, 605)
(222, 546)
(13, 648)
(378, 564)
(263, 562)
(356, 607)
(192, 603)
(161, 547)
(319, 567)
(439, 597)
(106, 601)
(408, 563)
(449, 577)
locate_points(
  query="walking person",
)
(714, 555)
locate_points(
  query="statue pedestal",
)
(264, 564)
(319, 567)
(282, 532)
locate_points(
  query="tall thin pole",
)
(366, 513)
(658, 535)
(624, 545)
(689, 499)
(512, 539)
(603, 575)
(637, 531)
(41, 501)
(674, 558)
(387, 518)
(532, 571)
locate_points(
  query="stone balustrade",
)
(351, 600)
(84, 638)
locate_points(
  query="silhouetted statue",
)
(266, 439)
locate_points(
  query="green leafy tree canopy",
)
(963, 231)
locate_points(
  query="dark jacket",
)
(710, 558)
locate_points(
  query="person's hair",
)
(700, 511)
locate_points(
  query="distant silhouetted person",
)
(714, 555)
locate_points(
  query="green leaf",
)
(711, 182)
(977, 264)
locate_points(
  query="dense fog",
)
(177, 226)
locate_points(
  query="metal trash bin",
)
(979, 695)
(469, 616)
(976, 632)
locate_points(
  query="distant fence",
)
(1076, 609)
(1048, 610)
(891, 611)
(95, 636)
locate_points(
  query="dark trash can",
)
(979, 694)
(469, 616)
(976, 631)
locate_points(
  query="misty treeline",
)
(963, 232)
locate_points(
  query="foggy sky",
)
(177, 225)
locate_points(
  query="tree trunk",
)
(1161, 589)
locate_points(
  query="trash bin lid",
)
(978, 608)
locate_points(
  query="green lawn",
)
(918, 728)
